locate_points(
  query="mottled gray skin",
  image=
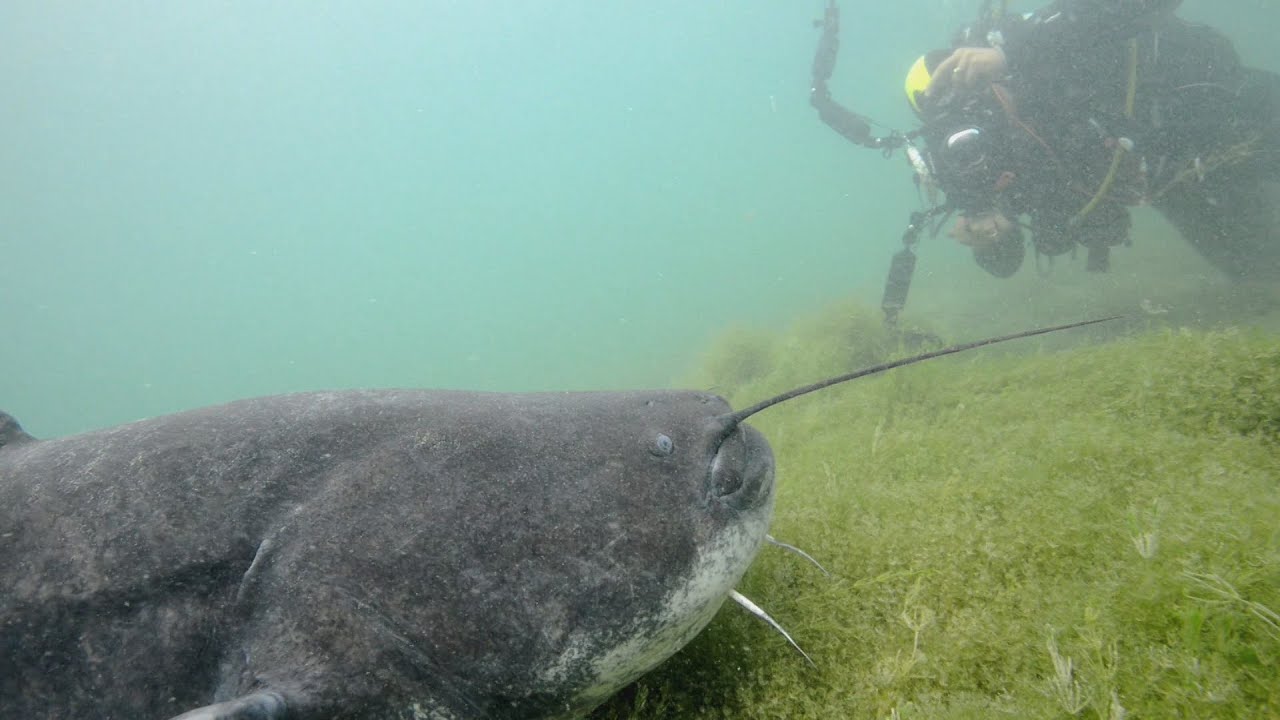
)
(380, 554)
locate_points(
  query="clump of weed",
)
(1082, 533)
(747, 365)
(736, 358)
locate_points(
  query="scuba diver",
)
(1054, 123)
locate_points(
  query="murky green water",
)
(206, 200)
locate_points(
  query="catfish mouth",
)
(740, 476)
(737, 491)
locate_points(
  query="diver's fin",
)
(258, 706)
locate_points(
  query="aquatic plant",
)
(1040, 534)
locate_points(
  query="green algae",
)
(1041, 532)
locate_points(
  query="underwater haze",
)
(210, 200)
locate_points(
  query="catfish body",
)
(370, 554)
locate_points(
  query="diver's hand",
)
(968, 69)
(982, 230)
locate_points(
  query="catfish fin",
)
(11, 433)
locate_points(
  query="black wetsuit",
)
(1203, 137)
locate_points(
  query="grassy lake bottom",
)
(1056, 529)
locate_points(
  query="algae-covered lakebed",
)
(1072, 527)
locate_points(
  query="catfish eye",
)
(662, 446)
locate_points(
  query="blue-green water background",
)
(206, 200)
